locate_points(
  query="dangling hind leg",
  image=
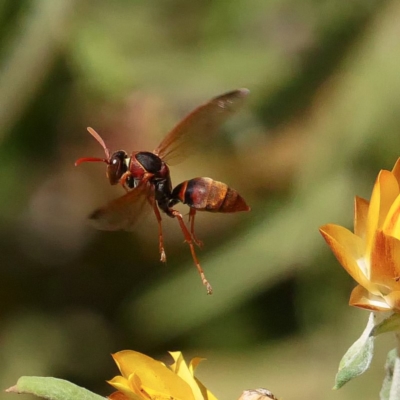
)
(160, 233)
(189, 241)
(192, 214)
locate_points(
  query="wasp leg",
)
(189, 241)
(192, 214)
(160, 233)
(123, 180)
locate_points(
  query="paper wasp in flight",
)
(146, 178)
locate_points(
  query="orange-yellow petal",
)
(347, 248)
(207, 395)
(124, 386)
(182, 370)
(385, 191)
(389, 191)
(117, 396)
(393, 299)
(385, 262)
(176, 355)
(194, 362)
(119, 382)
(153, 374)
(391, 225)
(156, 395)
(396, 170)
(360, 216)
(360, 297)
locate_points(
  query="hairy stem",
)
(395, 388)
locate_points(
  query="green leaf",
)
(358, 357)
(387, 382)
(52, 389)
(391, 324)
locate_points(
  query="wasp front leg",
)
(192, 214)
(126, 181)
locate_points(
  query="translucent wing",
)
(199, 125)
(123, 212)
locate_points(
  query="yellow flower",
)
(371, 255)
(145, 378)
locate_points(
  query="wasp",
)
(146, 177)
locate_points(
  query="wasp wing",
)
(199, 125)
(123, 212)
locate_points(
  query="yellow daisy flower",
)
(371, 255)
(146, 378)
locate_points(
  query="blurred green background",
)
(321, 120)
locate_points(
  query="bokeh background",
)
(321, 121)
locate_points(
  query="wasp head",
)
(116, 162)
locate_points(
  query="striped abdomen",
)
(205, 194)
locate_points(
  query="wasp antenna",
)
(90, 159)
(100, 140)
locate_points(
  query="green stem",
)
(395, 388)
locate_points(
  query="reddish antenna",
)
(95, 159)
